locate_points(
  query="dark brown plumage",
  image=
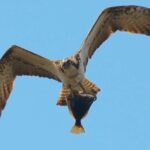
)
(134, 19)
(18, 61)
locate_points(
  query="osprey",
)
(71, 71)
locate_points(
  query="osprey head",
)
(67, 63)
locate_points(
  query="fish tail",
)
(77, 129)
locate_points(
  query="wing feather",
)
(133, 19)
(18, 61)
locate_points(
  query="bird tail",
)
(77, 129)
(64, 93)
(90, 87)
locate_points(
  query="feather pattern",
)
(18, 61)
(133, 19)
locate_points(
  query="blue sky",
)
(118, 120)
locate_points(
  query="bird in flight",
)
(71, 70)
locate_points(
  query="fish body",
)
(78, 105)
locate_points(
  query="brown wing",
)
(133, 19)
(18, 61)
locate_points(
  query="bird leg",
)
(83, 89)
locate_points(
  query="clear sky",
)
(118, 120)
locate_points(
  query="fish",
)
(79, 105)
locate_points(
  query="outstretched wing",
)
(18, 61)
(133, 19)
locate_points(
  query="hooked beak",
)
(66, 64)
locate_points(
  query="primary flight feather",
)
(71, 71)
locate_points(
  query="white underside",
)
(72, 76)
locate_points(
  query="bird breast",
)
(72, 76)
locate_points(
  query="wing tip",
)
(0, 112)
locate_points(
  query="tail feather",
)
(90, 87)
(62, 97)
(77, 129)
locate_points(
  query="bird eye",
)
(71, 63)
(68, 62)
(78, 57)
